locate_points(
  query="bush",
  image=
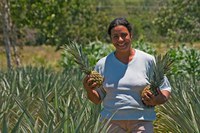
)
(187, 61)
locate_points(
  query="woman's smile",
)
(121, 45)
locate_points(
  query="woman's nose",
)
(120, 38)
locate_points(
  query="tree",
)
(6, 30)
(56, 22)
(9, 34)
(180, 20)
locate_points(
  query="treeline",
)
(56, 22)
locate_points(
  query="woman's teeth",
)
(121, 45)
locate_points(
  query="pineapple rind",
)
(97, 78)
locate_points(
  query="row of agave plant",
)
(41, 100)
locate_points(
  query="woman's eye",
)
(123, 35)
(115, 37)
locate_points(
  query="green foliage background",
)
(54, 22)
(179, 20)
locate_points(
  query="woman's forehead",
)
(119, 28)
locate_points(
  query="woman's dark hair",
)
(119, 21)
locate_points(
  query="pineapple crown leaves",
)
(161, 66)
(79, 57)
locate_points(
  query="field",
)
(39, 99)
(35, 56)
(49, 57)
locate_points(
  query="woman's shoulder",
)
(103, 60)
(144, 55)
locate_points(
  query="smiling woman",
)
(121, 36)
(126, 73)
(121, 39)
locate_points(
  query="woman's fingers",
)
(148, 98)
(89, 82)
(85, 80)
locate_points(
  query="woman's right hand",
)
(90, 86)
(88, 83)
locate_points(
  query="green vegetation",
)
(181, 113)
(179, 20)
(55, 22)
(38, 99)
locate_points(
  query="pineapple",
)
(83, 63)
(160, 68)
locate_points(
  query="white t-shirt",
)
(123, 84)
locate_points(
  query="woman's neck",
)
(125, 57)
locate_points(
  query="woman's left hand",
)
(150, 100)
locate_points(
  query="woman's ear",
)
(131, 35)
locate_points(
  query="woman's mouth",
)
(121, 45)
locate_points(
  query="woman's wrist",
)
(93, 96)
(160, 99)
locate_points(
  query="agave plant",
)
(40, 100)
(181, 114)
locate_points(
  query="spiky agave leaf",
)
(182, 113)
(82, 60)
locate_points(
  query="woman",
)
(126, 72)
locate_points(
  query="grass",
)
(34, 56)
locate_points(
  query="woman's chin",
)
(124, 47)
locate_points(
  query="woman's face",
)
(121, 38)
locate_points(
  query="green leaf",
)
(16, 127)
(28, 116)
(5, 126)
(50, 126)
